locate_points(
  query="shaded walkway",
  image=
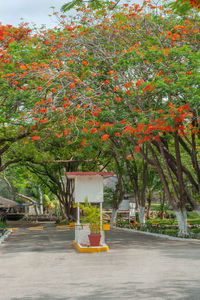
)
(42, 265)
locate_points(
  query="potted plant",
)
(92, 216)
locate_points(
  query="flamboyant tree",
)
(130, 73)
(142, 75)
(10, 103)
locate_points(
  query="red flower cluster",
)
(105, 137)
(35, 137)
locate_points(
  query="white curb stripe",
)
(5, 236)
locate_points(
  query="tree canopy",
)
(108, 79)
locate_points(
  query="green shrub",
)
(92, 216)
(166, 228)
(2, 225)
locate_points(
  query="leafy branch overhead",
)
(94, 4)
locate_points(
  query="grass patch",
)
(160, 221)
(194, 221)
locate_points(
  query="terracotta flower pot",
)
(94, 239)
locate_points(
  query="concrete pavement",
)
(43, 265)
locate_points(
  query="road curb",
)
(5, 236)
(163, 236)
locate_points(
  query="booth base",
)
(89, 249)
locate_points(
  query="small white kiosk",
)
(88, 185)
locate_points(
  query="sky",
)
(32, 11)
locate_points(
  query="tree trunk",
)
(182, 222)
(163, 206)
(197, 211)
(36, 212)
(41, 200)
(63, 216)
(163, 178)
(179, 170)
(141, 214)
(149, 206)
(114, 216)
(67, 210)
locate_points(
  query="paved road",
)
(43, 265)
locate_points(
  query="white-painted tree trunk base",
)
(5, 236)
(114, 216)
(197, 211)
(182, 222)
(41, 199)
(141, 214)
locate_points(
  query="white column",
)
(101, 219)
(78, 214)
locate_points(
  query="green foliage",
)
(163, 208)
(71, 5)
(50, 204)
(2, 225)
(162, 227)
(4, 192)
(160, 221)
(108, 197)
(92, 216)
(94, 4)
(47, 202)
(181, 7)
